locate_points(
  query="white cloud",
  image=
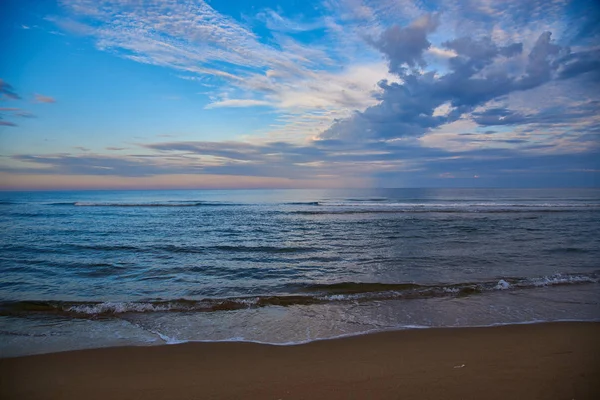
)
(309, 85)
(442, 53)
(238, 103)
(337, 72)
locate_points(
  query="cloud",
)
(93, 164)
(277, 22)
(481, 82)
(25, 114)
(575, 64)
(189, 36)
(14, 112)
(328, 159)
(335, 70)
(551, 115)
(405, 46)
(44, 99)
(7, 92)
(395, 90)
(238, 103)
(477, 75)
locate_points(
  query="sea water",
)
(107, 268)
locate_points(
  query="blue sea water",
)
(107, 268)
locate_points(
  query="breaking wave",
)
(304, 295)
(363, 207)
(154, 204)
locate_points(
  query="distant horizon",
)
(307, 188)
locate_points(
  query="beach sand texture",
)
(539, 361)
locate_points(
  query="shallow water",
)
(90, 269)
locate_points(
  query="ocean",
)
(93, 269)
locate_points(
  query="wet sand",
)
(541, 361)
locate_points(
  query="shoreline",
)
(536, 360)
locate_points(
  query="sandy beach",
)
(541, 361)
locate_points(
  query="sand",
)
(541, 361)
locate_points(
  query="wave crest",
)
(305, 295)
(153, 204)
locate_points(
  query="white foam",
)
(457, 205)
(250, 301)
(156, 204)
(168, 339)
(559, 279)
(117, 308)
(502, 285)
(451, 290)
(336, 297)
(381, 330)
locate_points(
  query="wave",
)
(183, 203)
(397, 209)
(454, 205)
(369, 199)
(308, 294)
(154, 204)
(106, 247)
(568, 250)
(365, 206)
(171, 248)
(359, 290)
(263, 249)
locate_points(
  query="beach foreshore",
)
(536, 361)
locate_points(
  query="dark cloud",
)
(474, 54)
(511, 50)
(7, 91)
(405, 46)
(477, 75)
(68, 164)
(481, 71)
(152, 165)
(583, 62)
(547, 116)
(14, 112)
(489, 140)
(499, 116)
(501, 168)
(275, 159)
(24, 114)
(405, 163)
(540, 64)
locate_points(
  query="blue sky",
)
(328, 93)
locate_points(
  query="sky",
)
(132, 94)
